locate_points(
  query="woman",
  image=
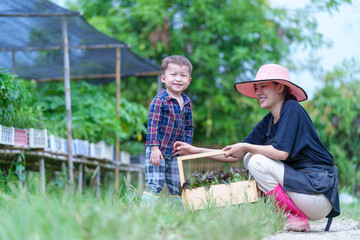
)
(283, 152)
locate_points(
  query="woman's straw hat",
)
(271, 72)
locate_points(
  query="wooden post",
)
(140, 181)
(42, 174)
(63, 168)
(118, 94)
(80, 178)
(67, 99)
(106, 178)
(20, 172)
(13, 65)
(128, 179)
(98, 169)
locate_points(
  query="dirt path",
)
(343, 229)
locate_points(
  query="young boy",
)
(170, 120)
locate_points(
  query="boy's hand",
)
(156, 156)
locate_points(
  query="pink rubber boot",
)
(297, 220)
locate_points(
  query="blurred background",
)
(227, 41)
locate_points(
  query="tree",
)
(336, 114)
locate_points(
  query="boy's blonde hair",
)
(176, 59)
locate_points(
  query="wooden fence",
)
(41, 160)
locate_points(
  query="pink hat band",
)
(271, 72)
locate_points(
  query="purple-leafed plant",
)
(206, 179)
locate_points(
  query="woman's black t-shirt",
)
(294, 133)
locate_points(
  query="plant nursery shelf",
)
(39, 160)
(9, 154)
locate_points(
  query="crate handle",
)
(195, 156)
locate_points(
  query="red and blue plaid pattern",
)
(168, 123)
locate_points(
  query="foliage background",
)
(16, 108)
(226, 41)
(335, 111)
(28, 105)
(93, 112)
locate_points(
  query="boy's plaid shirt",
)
(167, 123)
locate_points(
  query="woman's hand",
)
(236, 150)
(183, 148)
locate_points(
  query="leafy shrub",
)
(336, 114)
(93, 113)
(16, 105)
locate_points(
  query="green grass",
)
(351, 211)
(28, 214)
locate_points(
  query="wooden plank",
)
(195, 156)
(140, 181)
(118, 95)
(128, 180)
(9, 153)
(13, 65)
(19, 161)
(67, 98)
(80, 178)
(202, 155)
(98, 169)
(181, 171)
(44, 14)
(59, 47)
(92, 76)
(42, 174)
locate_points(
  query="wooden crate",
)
(124, 158)
(101, 150)
(37, 138)
(20, 137)
(81, 147)
(6, 135)
(108, 152)
(57, 145)
(96, 150)
(217, 195)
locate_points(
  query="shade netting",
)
(31, 43)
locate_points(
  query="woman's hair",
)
(287, 93)
(177, 60)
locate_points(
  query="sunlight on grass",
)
(59, 214)
(351, 211)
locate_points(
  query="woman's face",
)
(269, 94)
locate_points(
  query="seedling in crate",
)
(217, 187)
(207, 179)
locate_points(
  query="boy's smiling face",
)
(176, 79)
